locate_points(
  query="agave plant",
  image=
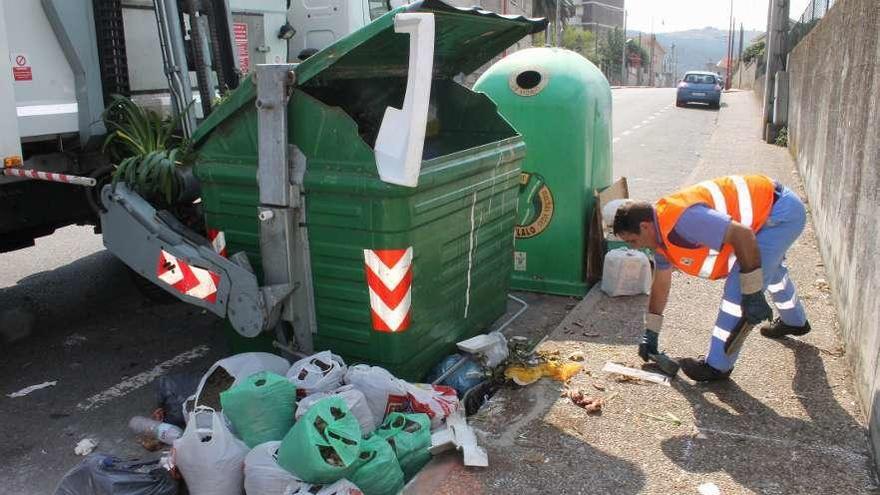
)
(146, 149)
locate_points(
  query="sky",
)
(680, 15)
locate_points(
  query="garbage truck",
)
(67, 58)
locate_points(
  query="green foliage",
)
(611, 51)
(547, 8)
(782, 137)
(145, 147)
(578, 40)
(753, 51)
(634, 48)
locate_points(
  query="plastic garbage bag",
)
(171, 392)
(209, 456)
(465, 377)
(228, 372)
(341, 487)
(410, 437)
(437, 401)
(323, 446)
(355, 400)
(261, 407)
(100, 474)
(263, 475)
(384, 392)
(490, 348)
(321, 372)
(626, 272)
(378, 472)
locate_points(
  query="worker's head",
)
(634, 224)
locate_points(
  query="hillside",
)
(695, 47)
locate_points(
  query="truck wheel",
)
(104, 175)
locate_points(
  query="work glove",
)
(754, 305)
(651, 337)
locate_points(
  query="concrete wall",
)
(744, 77)
(834, 127)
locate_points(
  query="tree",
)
(578, 40)
(610, 52)
(547, 8)
(635, 51)
(753, 51)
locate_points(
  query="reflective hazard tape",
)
(50, 176)
(744, 198)
(187, 279)
(389, 280)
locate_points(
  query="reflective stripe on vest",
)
(746, 199)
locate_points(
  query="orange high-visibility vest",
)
(747, 199)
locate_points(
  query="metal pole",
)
(740, 57)
(556, 24)
(623, 56)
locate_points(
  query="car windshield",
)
(699, 79)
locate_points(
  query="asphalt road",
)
(70, 313)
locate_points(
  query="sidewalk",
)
(787, 421)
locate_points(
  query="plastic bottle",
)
(164, 432)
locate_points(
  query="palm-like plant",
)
(146, 149)
(547, 8)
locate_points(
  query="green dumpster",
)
(561, 104)
(399, 273)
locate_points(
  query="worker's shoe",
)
(779, 329)
(699, 371)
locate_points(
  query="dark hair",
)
(630, 215)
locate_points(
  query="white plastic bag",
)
(239, 367)
(341, 487)
(355, 400)
(263, 475)
(321, 372)
(491, 347)
(437, 401)
(626, 272)
(209, 457)
(383, 391)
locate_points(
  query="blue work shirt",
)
(698, 226)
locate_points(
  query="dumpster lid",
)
(465, 39)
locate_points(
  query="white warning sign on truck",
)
(21, 67)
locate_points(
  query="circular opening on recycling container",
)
(528, 82)
(260, 382)
(528, 79)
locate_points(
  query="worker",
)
(734, 227)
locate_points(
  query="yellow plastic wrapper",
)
(561, 371)
(523, 375)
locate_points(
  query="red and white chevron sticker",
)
(218, 240)
(389, 278)
(187, 279)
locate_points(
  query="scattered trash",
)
(354, 399)
(578, 324)
(491, 347)
(467, 375)
(822, 285)
(324, 445)
(263, 475)
(74, 340)
(437, 401)
(458, 435)
(709, 489)
(208, 456)
(341, 487)
(593, 405)
(171, 393)
(378, 472)
(322, 372)
(838, 352)
(666, 418)
(261, 408)
(577, 356)
(410, 437)
(99, 474)
(85, 446)
(525, 375)
(27, 390)
(228, 372)
(384, 392)
(590, 334)
(599, 387)
(163, 432)
(637, 374)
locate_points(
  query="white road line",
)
(129, 385)
(626, 133)
(646, 121)
(637, 126)
(615, 140)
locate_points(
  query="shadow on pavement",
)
(765, 451)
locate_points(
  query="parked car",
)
(699, 87)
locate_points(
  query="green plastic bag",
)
(377, 472)
(410, 437)
(261, 408)
(323, 446)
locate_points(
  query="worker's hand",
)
(648, 344)
(754, 305)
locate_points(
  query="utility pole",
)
(729, 47)
(777, 21)
(739, 58)
(641, 63)
(556, 24)
(674, 78)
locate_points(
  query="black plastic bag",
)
(171, 392)
(100, 474)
